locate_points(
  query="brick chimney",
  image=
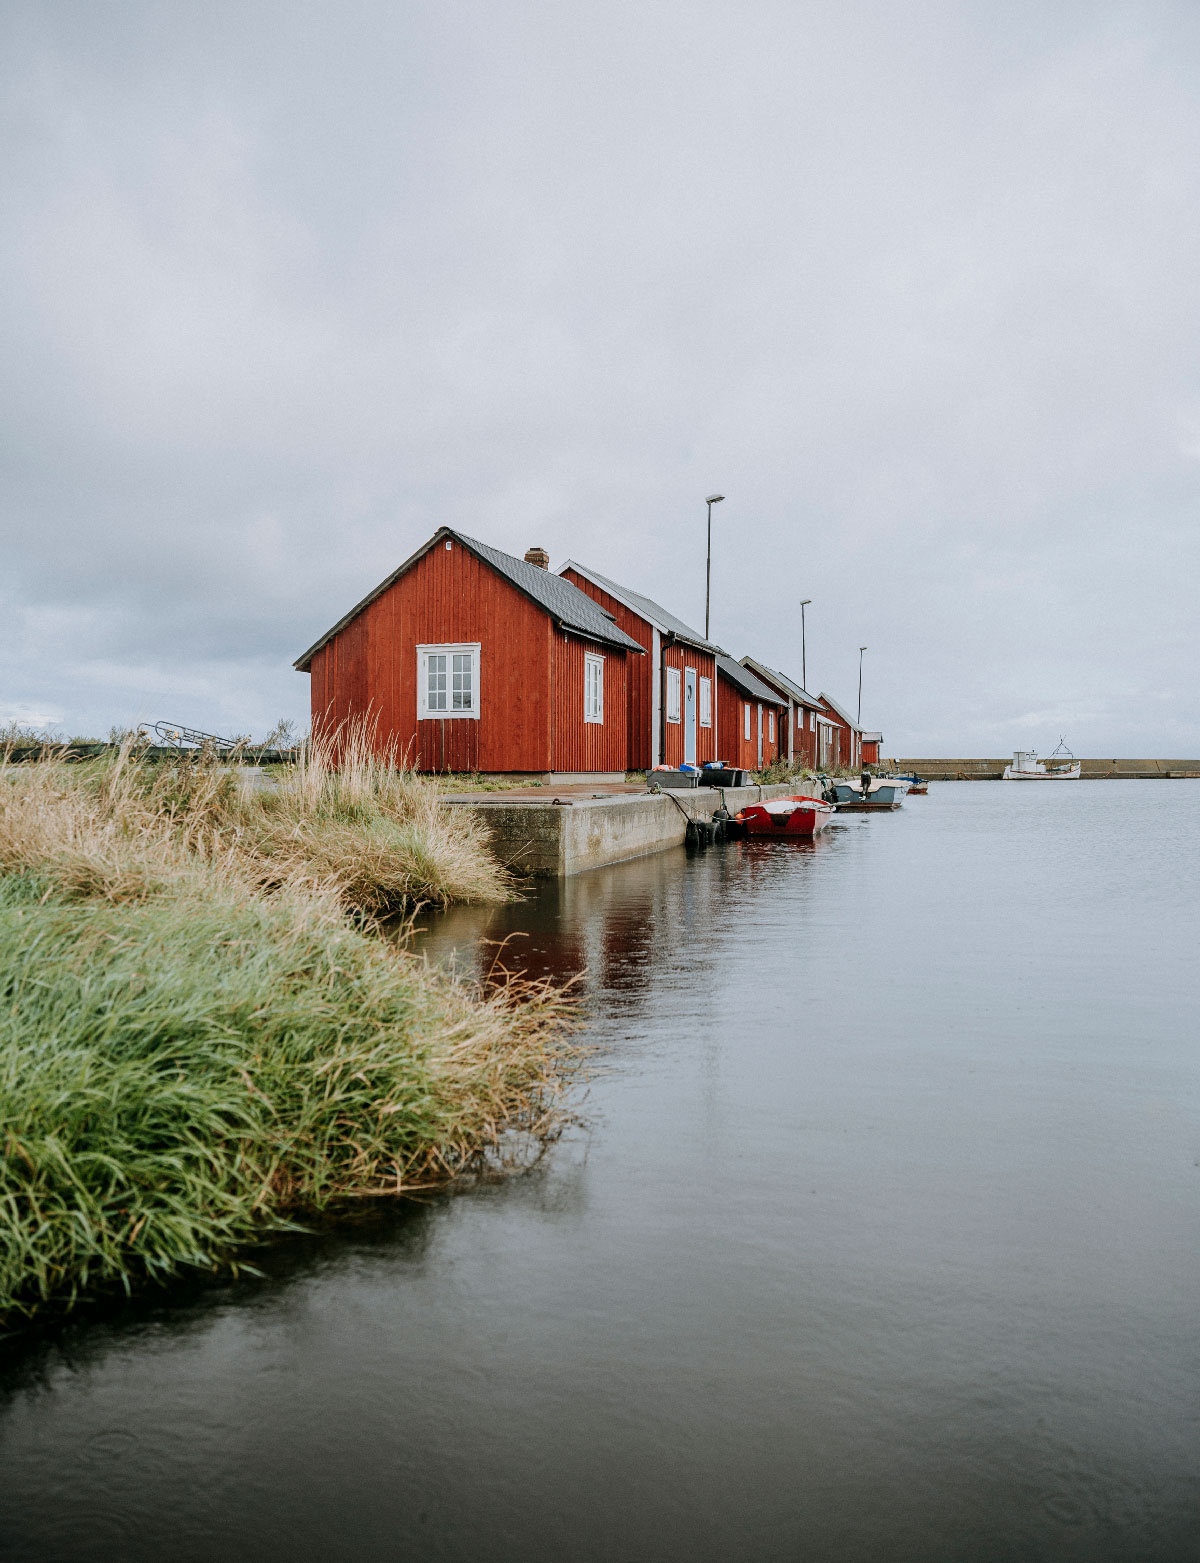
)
(538, 556)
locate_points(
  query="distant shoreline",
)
(1093, 770)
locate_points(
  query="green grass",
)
(198, 1046)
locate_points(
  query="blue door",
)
(689, 716)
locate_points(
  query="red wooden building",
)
(803, 709)
(752, 717)
(673, 717)
(871, 744)
(844, 731)
(470, 659)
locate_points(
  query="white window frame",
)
(593, 685)
(674, 695)
(704, 702)
(463, 648)
(771, 726)
(746, 708)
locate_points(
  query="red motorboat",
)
(785, 817)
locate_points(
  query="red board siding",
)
(804, 742)
(736, 748)
(705, 664)
(450, 597)
(643, 739)
(849, 749)
(640, 703)
(580, 745)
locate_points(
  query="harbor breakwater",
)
(1093, 770)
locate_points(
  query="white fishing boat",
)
(1059, 766)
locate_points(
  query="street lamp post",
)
(803, 647)
(713, 499)
(861, 649)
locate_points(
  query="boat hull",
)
(785, 817)
(1070, 773)
(883, 795)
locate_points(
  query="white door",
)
(689, 716)
(760, 737)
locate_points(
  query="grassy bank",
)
(198, 1043)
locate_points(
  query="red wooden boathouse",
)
(801, 746)
(470, 659)
(673, 717)
(751, 717)
(842, 731)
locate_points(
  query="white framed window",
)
(771, 726)
(799, 720)
(747, 710)
(447, 682)
(593, 687)
(706, 702)
(812, 721)
(674, 685)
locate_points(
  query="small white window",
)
(799, 720)
(771, 726)
(747, 720)
(674, 683)
(447, 682)
(812, 721)
(706, 702)
(593, 687)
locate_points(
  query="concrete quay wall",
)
(532, 836)
(1093, 770)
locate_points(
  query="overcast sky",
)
(284, 287)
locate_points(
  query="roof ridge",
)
(661, 618)
(574, 611)
(749, 682)
(845, 715)
(790, 684)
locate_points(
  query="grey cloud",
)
(289, 286)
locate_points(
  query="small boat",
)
(1059, 766)
(881, 796)
(918, 787)
(785, 817)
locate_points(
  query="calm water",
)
(881, 1242)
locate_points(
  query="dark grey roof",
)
(574, 609)
(746, 681)
(565, 603)
(645, 607)
(845, 715)
(801, 696)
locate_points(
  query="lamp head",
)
(714, 499)
(805, 602)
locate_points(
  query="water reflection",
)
(610, 931)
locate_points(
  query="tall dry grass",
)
(197, 1042)
(351, 810)
(348, 817)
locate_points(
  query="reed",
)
(197, 1045)
(349, 816)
